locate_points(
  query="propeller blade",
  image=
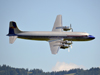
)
(68, 50)
(72, 30)
(71, 46)
(70, 26)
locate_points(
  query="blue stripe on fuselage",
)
(56, 37)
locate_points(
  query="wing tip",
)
(59, 15)
(55, 52)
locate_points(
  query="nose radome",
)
(91, 37)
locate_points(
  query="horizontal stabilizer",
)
(12, 39)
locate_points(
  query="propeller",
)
(68, 50)
(71, 28)
(71, 46)
(71, 43)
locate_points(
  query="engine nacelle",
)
(64, 46)
(66, 28)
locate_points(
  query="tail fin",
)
(13, 30)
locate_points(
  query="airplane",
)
(57, 38)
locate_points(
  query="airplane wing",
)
(58, 23)
(54, 46)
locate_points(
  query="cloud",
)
(60, 66)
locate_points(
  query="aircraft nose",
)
(91, 37)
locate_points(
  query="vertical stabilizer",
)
(13, 29)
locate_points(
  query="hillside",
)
(7, 70)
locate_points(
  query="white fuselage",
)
(47, 35)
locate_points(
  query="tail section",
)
(13, 30)
(12, 39)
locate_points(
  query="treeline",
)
(7, 70)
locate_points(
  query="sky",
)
(40, 15)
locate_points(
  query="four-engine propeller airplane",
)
(57, 38)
